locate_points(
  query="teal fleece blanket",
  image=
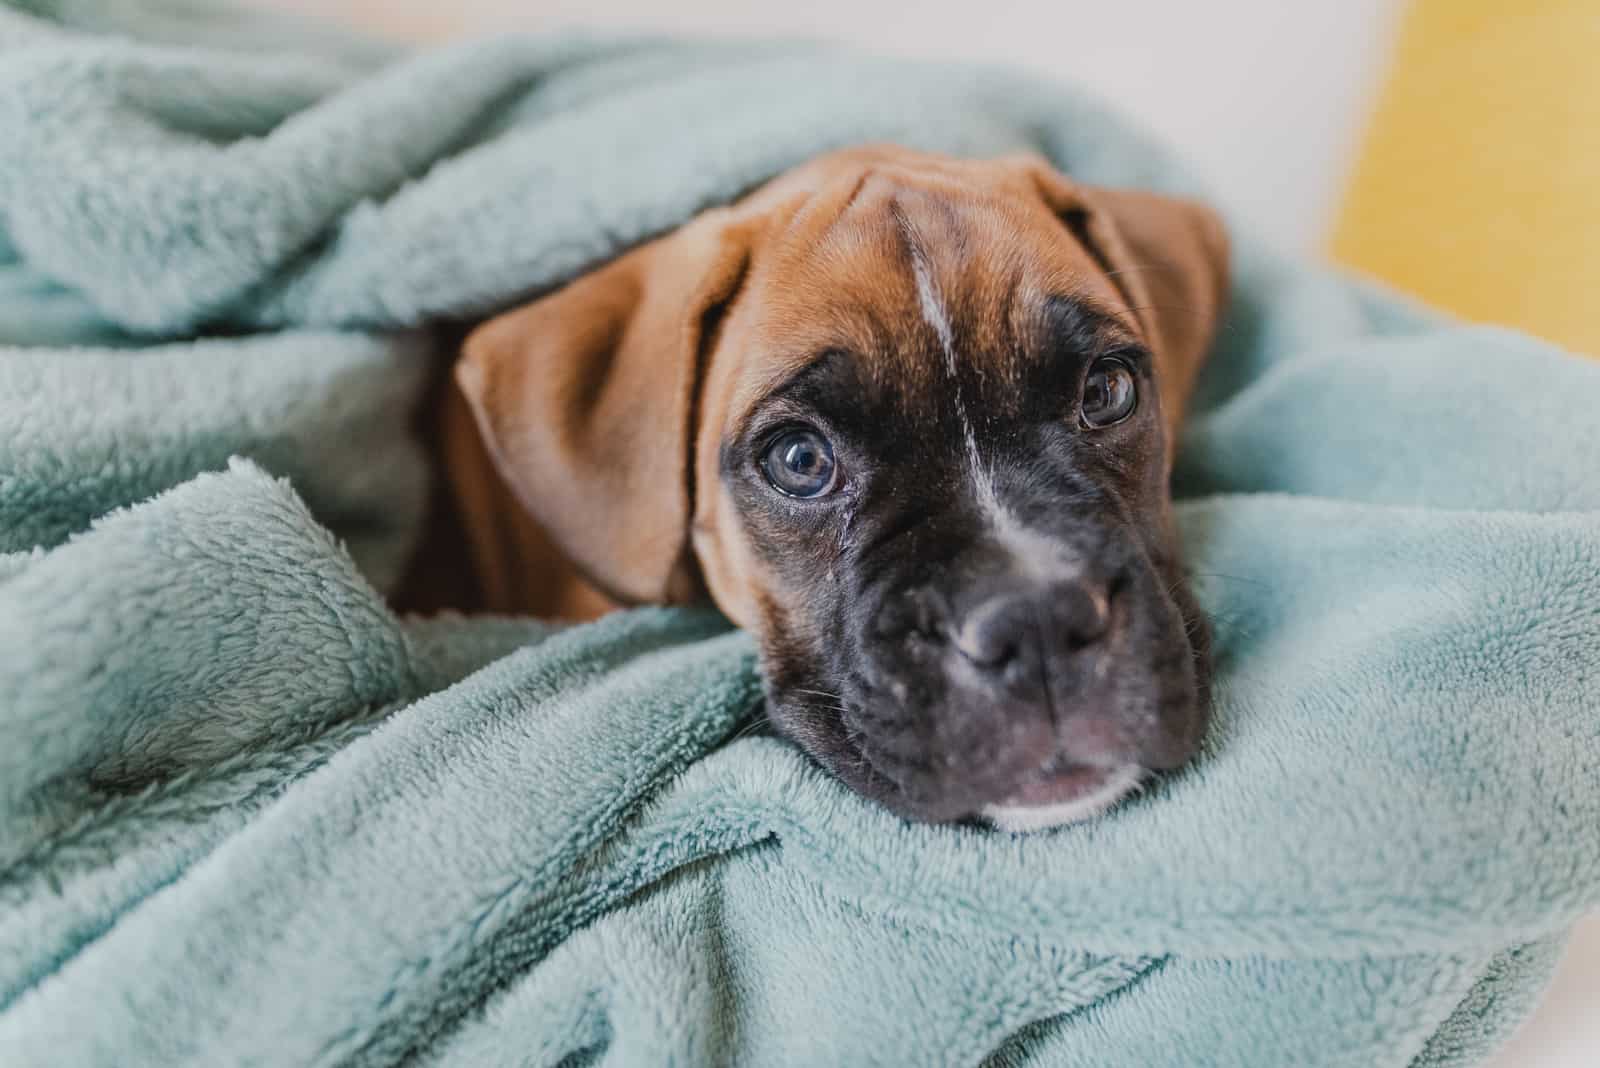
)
(249, 816)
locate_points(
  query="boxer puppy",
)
(910, 421)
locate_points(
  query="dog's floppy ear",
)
(1167, 256)
(585, 399)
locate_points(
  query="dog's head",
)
(911, 421)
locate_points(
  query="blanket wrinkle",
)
(248, 815)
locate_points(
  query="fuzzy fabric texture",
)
(248, 816)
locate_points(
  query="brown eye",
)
(1110, 393)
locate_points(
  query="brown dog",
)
(910, 421)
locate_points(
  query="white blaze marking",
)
(1030, 549)
(934, 313)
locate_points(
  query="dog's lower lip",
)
(1059, 782)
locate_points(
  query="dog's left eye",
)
(1109, 393)
(799, 463)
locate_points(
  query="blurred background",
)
(1207, 77)
(1448, 147)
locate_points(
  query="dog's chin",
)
(1054, 796)
(1051, 798)
(1060, 796)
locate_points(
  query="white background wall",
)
(1266, 98)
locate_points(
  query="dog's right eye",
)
(800, 463)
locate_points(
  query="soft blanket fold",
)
(247, 815)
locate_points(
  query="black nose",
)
(1008, 629)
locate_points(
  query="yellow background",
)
(1478, 185)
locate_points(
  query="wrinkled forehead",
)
(912, 281)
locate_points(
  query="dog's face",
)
(911, 422)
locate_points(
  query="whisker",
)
(1187, 308)
(750, 728)
(816, 693)
(1233, 578)
(818, 712)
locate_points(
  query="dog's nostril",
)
(1083, 612)
(996, 632)
(1118, 585)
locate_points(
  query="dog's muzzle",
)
(1010, 694)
